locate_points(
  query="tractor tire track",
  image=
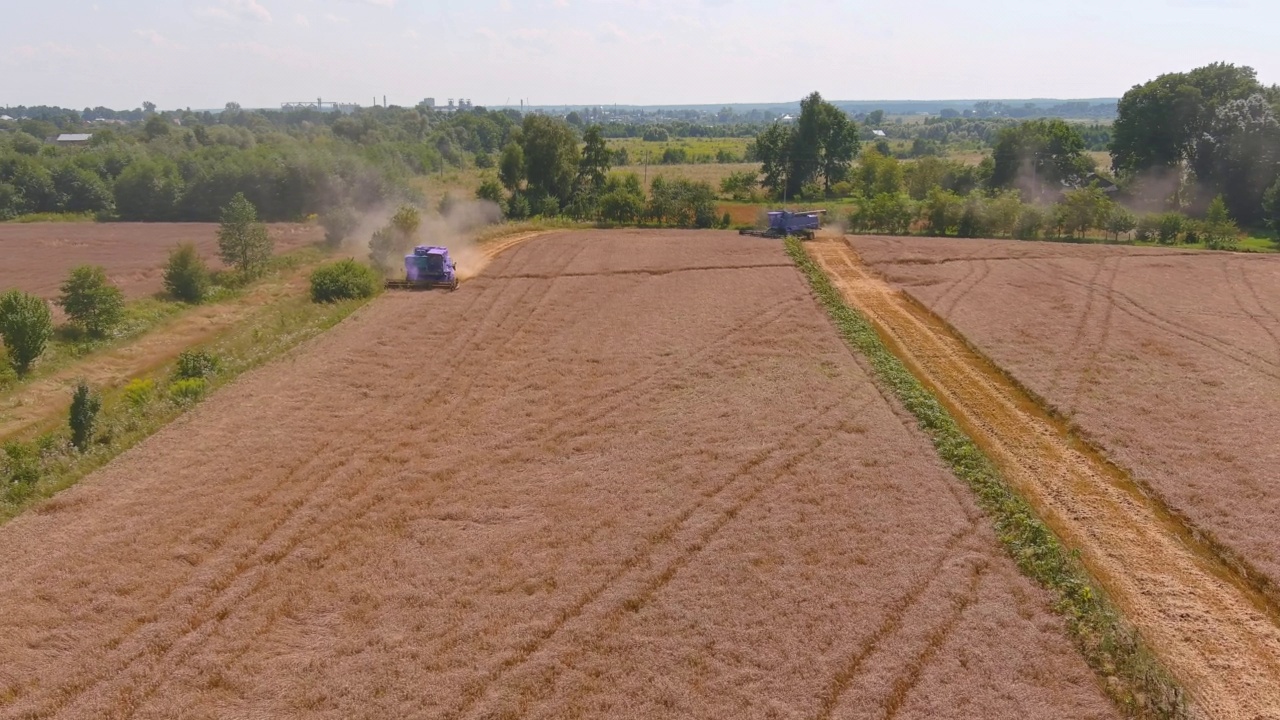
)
(1209, 627)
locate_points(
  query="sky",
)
(260, 53)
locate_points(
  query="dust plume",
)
(454, 229)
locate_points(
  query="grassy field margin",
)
(1130, 673)
(35, 470)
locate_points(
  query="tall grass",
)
(1132, 676)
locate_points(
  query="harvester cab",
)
(428, 266)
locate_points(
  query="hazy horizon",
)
(551, 53)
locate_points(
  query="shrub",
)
(139, 392)
(196, 364)
(187, 391)
(1147, 229)
(1220, 231)
(91, 302)
(343, 280)
(25, 326)
(186, 277)
(1031, 222)
(1169, 227)
(22, 463)
(85, 405)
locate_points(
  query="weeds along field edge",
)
(1129, 671)
(134, 412)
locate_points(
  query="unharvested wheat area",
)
(617, 474)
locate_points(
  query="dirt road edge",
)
(1128, 671)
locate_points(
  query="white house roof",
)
(878, 133)
(74, 137)
(5, 117)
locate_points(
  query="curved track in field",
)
(1216, 634)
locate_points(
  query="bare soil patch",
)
(38, 256)
(618, 474)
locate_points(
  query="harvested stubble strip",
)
(1135, 679)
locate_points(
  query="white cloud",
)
(236, 10)
(157, 39)
(301, 20)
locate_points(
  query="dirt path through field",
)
(48, 397)
(1218, 637)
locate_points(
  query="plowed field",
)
(1170, 361)
(619, 474)
(38, 256)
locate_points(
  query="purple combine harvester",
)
(428, 267)
(786, 222)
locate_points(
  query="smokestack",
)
(384, 101)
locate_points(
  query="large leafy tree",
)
(1040, 155)
(1238, 156)
(820, 145)
(550, 157)
(1158, 123)
(25, 326)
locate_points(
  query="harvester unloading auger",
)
(428, 267)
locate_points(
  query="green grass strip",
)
(1130, 673)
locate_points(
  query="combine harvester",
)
(783, 223)
(428, 267)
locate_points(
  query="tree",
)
(186, 276)
(511, 167)
(149, 107)
(25, 326)
(91, 302)
(1158, 122)
(1271, 208)
(490, 189)
(1039, 156)
(550, 157)
(148, 190)
(1238, 157)
(878, 174)
(393, 241)
(1220, 231)
(81, 190)
(85, 405)
(821, 144)
(1083, 209)
(243, 242)
(941, 210)
(875, 117)
(1120, 221)
(156, 127)
(740, 185)
(622, 200)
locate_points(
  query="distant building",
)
(879, 133)
(73, 139)
(5, 117)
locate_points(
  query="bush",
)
(139, 392)
(25, 326)
(85, 405)
(22, 463)
(91, 302)
(343, 280)
(196, 364)
(186, 277)
(1031, 222)
(1147, 229)
(1169, 227)
(187, 391)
